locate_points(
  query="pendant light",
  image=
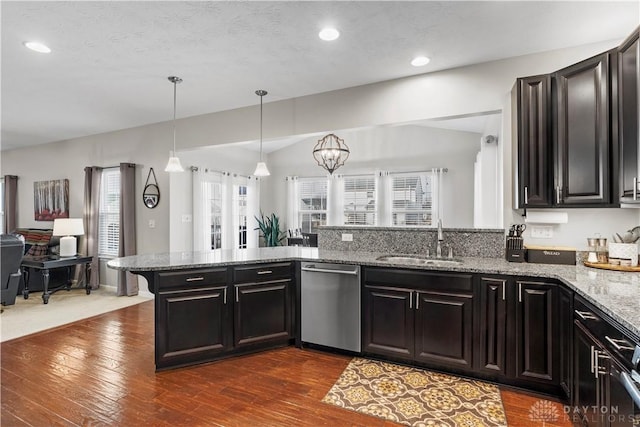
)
(174, 162)
(261, 167)
(331, 152)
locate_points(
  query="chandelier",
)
(331, 152)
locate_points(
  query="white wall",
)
(388, 148)
(464, 90)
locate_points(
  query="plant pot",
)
(624, 251)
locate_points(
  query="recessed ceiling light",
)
(329, 34)
(38, 47)
(420, 61)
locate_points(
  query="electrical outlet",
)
(347, 237)
(541, 231)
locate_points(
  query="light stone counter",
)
(615, 293)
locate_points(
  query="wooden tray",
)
(611, 267)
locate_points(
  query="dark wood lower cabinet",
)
(492, 326)
(586, 391)
(262, 312)
(418, 320)
(388, 326)
(537, 333)
(444, 329)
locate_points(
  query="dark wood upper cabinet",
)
(583, 141)
(628, 113)
(534, 141)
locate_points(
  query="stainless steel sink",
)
(417, 260)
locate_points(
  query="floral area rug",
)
(416, 397)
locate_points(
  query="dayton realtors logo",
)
(544, 411)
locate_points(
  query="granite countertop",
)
(615, 293)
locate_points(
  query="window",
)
(240, 213)
(213, 198)
(359, 200)
(312, 203)
(109, 218)
(411, 202)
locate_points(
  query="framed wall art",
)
(51, 199)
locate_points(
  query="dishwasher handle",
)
(630, 385)
(314, 269)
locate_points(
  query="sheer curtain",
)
(384, 199)
(253, 210)
(293, 201)
(228, 235)
(335, 200)
(437, 175)
(91, 217)
(127, 282)
(10, 203)
(201, 210)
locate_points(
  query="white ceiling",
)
(110, 60)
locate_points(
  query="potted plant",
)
(269, 226)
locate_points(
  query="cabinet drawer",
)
(192, 278)
(607, 331)
(446, 282)
(262, 272)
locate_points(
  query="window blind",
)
(109, 217)
(411, 199)
(312, 206)
(359, 200)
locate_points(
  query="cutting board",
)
(612, 267)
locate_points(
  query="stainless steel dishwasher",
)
(330, 309)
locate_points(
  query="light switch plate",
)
(347, 237)
(542, 231)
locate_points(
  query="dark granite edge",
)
(399, 228)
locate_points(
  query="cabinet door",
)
(618, 398)
(565, 314)
(583, 141)
(444, 329)
(191, 325)
(586, 393)
(388, 322)
(491, 351)
(534, 142)
(536, 333)
(262, 313)
(628, 118)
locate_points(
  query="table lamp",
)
(69, 228)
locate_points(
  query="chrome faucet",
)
(440, 239)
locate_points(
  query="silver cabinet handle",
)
(601, 369)
(526, 195)
(585, 315)
(265, 272)
(595, 363)
(592, 357)
(504, 291)
(519, 292)
(237, 294)
(195, 279)
(411, 300)
(619, 344)
(225, 296)
(630, 386)
(635, 188)
(558, 195)
(417, 300)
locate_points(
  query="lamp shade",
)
(261, 170)
(174, 165)
(68, 227)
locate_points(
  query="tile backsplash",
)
(465, 242)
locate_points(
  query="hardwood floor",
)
(100, 371)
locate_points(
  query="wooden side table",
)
(48, 262)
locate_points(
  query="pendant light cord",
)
(261, 96)
(174, 116)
